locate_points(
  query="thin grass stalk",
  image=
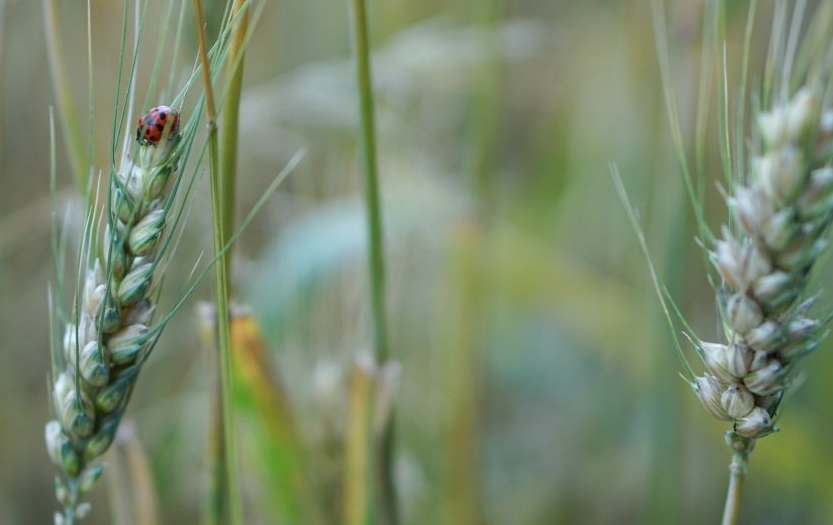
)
(367, 141)
(358, 444)
(60, 85)
(228, 160)
(216, 500)
(386, 500)
(227, 459)
(386, 497)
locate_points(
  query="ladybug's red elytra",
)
(152, 125)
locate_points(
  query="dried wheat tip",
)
(709, 391)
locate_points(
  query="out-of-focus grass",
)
(579, 416)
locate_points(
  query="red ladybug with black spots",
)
(152, 125)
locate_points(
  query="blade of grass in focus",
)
(226, 474)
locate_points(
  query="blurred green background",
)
(539, 383)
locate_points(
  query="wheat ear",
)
(111, 336)
(780, 217)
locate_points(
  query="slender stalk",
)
(358, 491)
(60, 85)
(387, 509)
(230, 122)
(367, 140)
(216, 501)
(227, 458)
(737, 474)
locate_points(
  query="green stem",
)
(358, 456)
(230, 122)
(737, 473)
(387, 509)
(367, 139)
(216, 501)
(229, 471)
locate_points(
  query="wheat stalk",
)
(112, 334)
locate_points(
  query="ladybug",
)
(152, 125)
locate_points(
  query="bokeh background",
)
(539, 384)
